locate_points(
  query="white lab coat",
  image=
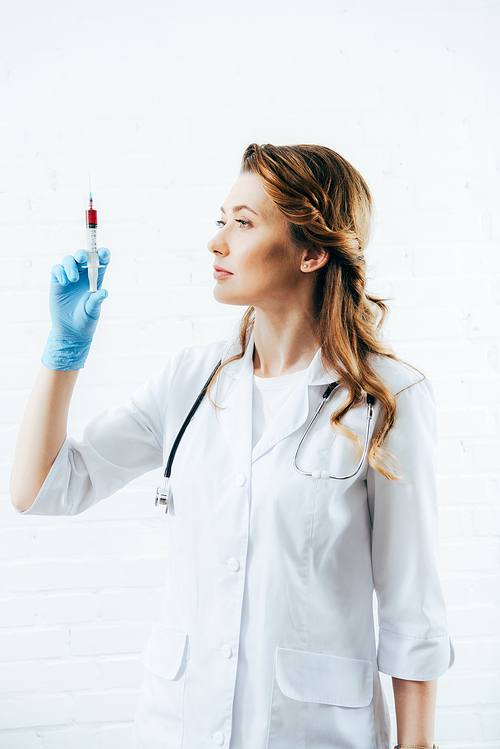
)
(266, 636)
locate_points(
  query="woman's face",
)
(255, 261)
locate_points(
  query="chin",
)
(225, 297)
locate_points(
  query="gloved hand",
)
(74, 311)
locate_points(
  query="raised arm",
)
(75, 313)
(42, 433)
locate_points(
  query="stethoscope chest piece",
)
(163, 495)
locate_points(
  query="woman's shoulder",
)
(186, 369)
(397, 374)
(184, 373)
(193, 363)
(209, 353)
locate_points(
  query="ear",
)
(313, 259)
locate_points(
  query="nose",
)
(217, 245)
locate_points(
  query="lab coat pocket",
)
(321, 701)
(159, 719)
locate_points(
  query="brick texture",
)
(159, 100)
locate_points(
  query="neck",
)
(285, 341)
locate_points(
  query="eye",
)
(240, 221)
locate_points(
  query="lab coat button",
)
(218, 738)
(240, 480)
(233, 564)
(226, 652)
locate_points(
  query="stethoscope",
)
(163, 492)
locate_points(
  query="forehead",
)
(248, 190)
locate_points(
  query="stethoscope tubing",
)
(370, 400)
(194, 408)
(163, 492)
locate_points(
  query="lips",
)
(220, 273)
(221, 270)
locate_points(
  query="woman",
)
(266, 636)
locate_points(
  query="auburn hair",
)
(328, 204)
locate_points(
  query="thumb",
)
(93, 303)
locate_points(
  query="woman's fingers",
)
(81, 257)
(71, 267)
(58, 275)
(93, 303)
(104, 258)
(104, 255)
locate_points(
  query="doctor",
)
(266, 636)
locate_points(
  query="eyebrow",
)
(239, 208)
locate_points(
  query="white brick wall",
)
(159, 99)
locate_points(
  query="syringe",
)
(93, 256)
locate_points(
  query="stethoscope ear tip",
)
(320, 475)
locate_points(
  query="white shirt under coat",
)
(266, 636)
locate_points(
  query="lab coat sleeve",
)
(413, 636)
(118, 445)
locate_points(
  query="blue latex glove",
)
(74, 311)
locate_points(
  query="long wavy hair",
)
(328, 204)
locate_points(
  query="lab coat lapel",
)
(234, 395)
(294, 414)
(291, 417)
